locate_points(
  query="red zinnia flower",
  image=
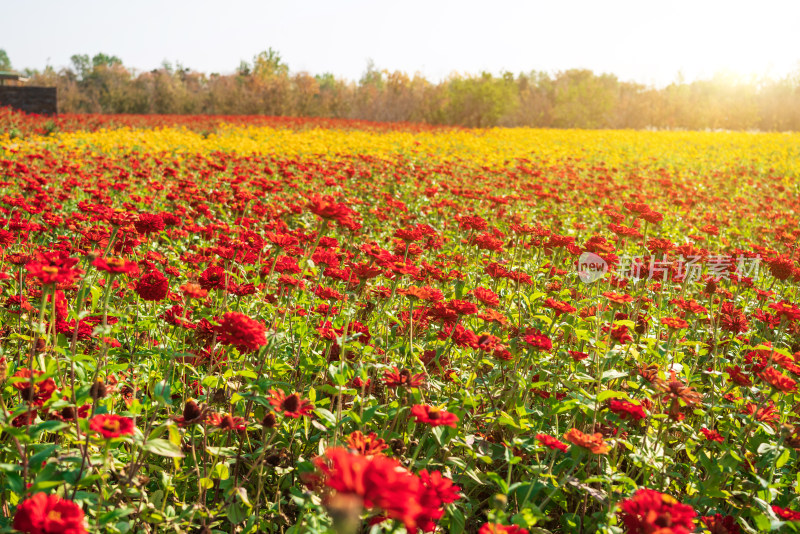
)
(226, 422)
(36, 393)
(46, 514)
(242, 332)
(214, 278)
(486, 296)
(377, 482)
(54, 268)
(397, 378)
(116, 265)
(537, 340)
(721, 524)
(649, 511)
(593, 443)
(785, 513)
(674, 322)
(781, 267)
(712, 435)
(618, 298)
(290, 405)
(368, 445)
(496, 528)
(551, 442)
(433, 416)
(435, 492)
(327, 208)
(627, 410)
(577, 355)
(558, 306)
(778, 380)
(148, 223)
(152, 286)
(111, 425)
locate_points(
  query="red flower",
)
(377, 481)
(116, 265)
(496, 528)
(781, 267)
(785, 513)
(738, 377)
(786, 309)
(54, 268)
(593, 443)
(627, 410)
(242, 332)
(36, 393)
(551, 442)
(462, 307)
(148, 223)
(486, 296)
(618, 298)
(712, 435)
(327, 208)
(226, 421)
(433, 416)
(152, 286)
(650, 512)
(214, 278)
(45, 514)
(674, 322)
(721, 524)
(111, 426)
(436, 491)
(366, 445)
(397, 378)
(558, 306)
(290, 405)
(193, 414)
(577, 355)
(778, 380)
(537, 340)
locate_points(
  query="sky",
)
(643, 40)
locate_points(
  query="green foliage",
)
(576, 98)
(5, 63)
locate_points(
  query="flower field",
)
(278, 325)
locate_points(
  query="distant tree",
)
(269, 64)
(104, 60)
(5, 63)
(82, 65)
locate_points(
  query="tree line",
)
(575, 98)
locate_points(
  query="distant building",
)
(27, 98)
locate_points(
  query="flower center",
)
(291, 403)
(111, 426)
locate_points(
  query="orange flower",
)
(594, 442)
(368, 445)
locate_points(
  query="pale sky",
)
(638, 40)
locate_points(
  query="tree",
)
(269, 64)
(5, 63)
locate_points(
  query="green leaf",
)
(42, 455)
(783, 458)
(221, 471)
(237, 513)
(457, 520)
(612, 374)
(163, 447)
(605, 395)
